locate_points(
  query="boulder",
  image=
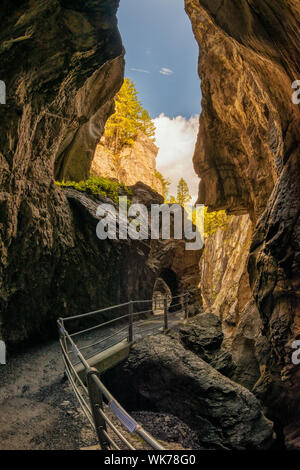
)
(203, 335)
(161, 375)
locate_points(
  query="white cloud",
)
(139, 70)
(176, 138)
(165, 71)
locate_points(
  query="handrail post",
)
(62, 335)
(130, 330)
(186, 312)
(96, 401)
(165, 314)
(182, 301)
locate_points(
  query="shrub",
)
(98, 186)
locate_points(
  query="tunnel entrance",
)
(160, 292)
(166, 285)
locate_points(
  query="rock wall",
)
(169, 259)
(58, 100)
(136, 163)
(248, 127)
(274, 269)
(226, 292)
(247, 157)
(61, 82)
(223, 269)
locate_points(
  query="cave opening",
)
(161, 291)
(166, 286)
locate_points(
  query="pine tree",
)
(171, 200)
(147, 125)
(183, 195)
(129, 118)
(165, 183)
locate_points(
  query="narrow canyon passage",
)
(63, 152)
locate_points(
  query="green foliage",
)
(129, 118)
(146, 124)
(215, 220)
(165, 183)
(183, 195)
(98, 186)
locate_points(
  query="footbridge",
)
(94, 342)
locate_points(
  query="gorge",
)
(61, 82)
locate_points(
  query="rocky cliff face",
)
(249, 125)
(247, 156)
(58, 99)
(136, 163)
(61, 81)
(226, 292)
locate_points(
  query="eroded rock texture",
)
(169, 258)
(136, 163)
(203, 335)
(179, 269)
(274, 269)
(248, 60)
(248, 157)
(226, 292)
(161, 375)
(62, 62)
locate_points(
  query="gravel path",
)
(38, 410)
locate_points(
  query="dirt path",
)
(38, 410)
(37, 407)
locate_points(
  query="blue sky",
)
(157, 35)
(162, 60)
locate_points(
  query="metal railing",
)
(94, 398)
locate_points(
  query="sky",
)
(162, 60)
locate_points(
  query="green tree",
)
(215, 220)
(129, 118)
(165, 184)
(147, 125)
(183, 195)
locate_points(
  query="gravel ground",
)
(168, 429)
(38, 410)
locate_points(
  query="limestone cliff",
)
(226, 292)
(247, 156)
(136, 163)
(249, 126)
